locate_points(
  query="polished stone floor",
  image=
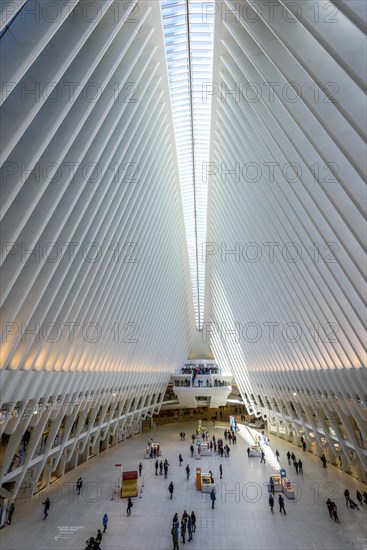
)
(241, 518)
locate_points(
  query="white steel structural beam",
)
(96, 304)
(286, 243)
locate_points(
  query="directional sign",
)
(66, 530)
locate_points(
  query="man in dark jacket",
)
(46, 508)
(213, 498)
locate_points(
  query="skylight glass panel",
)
(191, 117)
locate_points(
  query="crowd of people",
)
(186, 527)
(94, 543)
(298, 464)
(350, 502)
(186, 383)
(200, 369)
(162, 466)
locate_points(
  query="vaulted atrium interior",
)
(182, 183)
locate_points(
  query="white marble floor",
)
(241, 518)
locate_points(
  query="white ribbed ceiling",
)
(132, 187)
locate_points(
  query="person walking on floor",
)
(262, 457)
(359, 497)
(220, 471)
(171, 489)
(271, 503)
(193, 522)
(187, 472)
(129, 506)
(353, 504)
(165, 468)
(140, 467)
(79, 485)
(271, 485)
(160, 468)
(330, 505)
(277, 454)
(213, 498)
(300, 466)
(180, 459)
(105, 522)
(99, 536)
(174, 533)
(323, 460)
(90, 543)
(335, 513)
(289, 457)
(189, 527)
(10, 513)
(281, 505)
(347, 495)
(156, 467)
(183, 530)
(295, 463)
(192, 450)
(46, 508)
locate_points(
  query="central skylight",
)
(188, 31)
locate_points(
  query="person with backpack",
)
(129, 506)
(171, 489)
